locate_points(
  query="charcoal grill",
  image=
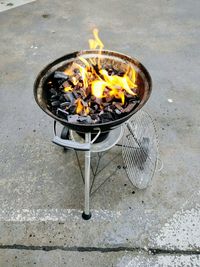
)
(112, 130)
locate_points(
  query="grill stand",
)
(140, 149)
(87, 214)
(87, 147)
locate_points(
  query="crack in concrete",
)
(154, 251)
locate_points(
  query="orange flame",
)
(80, 108)
(101, 85)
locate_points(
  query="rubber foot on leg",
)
(86, 216)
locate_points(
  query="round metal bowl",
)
(115, 59)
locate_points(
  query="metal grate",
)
(140, 149)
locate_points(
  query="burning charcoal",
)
(75, 95)
(71, 83)
(109, 98)
(96, 107)
(96, 68)
(98, 100)
(109, 109)
(85, 119)
(81, 93)
(120, 73)
(55, 103)
(134, 101)
(66, 84)
(106, 117)
(110, 72)
(134, 97)
(117, 111)
(60, 75)
(62, 113)
(91, 111)
(88, 91)
(117, 105)
(93, 98)
(105, 104)
(76, 71)
(69, 97)
(72, 109)
(72, 118)
(129, 108)
(85, 104)
(95, 118)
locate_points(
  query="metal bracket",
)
(68, 143)
(71, 144)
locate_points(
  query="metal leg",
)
(86, 214)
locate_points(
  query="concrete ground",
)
(41, 189)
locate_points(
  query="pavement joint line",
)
(153, 251)
(54, 215)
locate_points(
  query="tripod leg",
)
(86, 215)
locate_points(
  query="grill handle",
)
(71, 144)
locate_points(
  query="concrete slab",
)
(12, 258)
(6, 5)
(41, 189)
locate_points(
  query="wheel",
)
(65, 135)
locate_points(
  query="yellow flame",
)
(86, 111)
(85, 61)
(74, 80)
(68, 89)
(69, 71)
(115, 82)
(80, 108)
(98, 88)
(96, 43)
(102, 84)
(84, 75)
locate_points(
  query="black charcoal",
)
(120, 73)
(54, 97)
(72, 109)
(106, 117)
(55, 103)
(117, 111)
(96, 107)
(129, 108)
(69, 97)
(60, 75)
(117, 105)
(62, 113)
(65, 104)
(85, 119)
(53, 91)
(72, 118)
(75, 95)
(61, 98)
